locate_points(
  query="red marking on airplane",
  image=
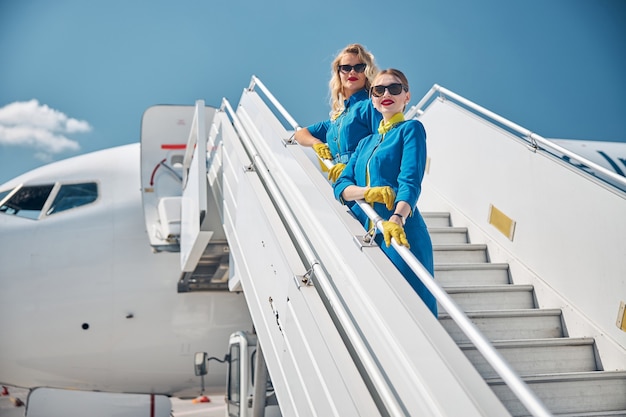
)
(174, 146)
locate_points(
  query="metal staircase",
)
(341, 331)
(565, 372)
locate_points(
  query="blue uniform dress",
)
(342, 134)
(396, 159)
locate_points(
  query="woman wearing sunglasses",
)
(386, 170)
(352, 115)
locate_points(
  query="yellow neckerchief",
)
(385, 127)
(336, 115)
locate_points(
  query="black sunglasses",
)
(394, 89)
(347, 68)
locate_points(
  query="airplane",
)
(85, 303)
(609, 155)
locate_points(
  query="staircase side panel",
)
(569, 230)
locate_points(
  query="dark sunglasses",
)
(347, 68)
(394, 89)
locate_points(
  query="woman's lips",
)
(386, 102)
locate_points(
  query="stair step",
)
(492, 297)
(509, 324)
(564, 372)
(538, 356)
(472, 274)
(467, 253)
(436, 219)
(574, 394)
(448, 235)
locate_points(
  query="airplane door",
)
(165, 131)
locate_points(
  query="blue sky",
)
(76, 76)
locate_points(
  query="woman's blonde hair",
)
(396, 73)
(336, 91)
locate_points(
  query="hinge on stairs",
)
(366, 240)
(290, 141)
(306, 278)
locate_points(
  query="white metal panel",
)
(232, 165)
(193, 241)
(310, 367)
(569, 236)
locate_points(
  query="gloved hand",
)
(336, 171)
(322, 150)
(384, 195)
(392, 229)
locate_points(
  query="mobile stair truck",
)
(528, 281)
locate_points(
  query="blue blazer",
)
(396, 159)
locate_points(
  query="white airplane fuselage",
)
(85, 303)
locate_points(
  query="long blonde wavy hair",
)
(336, 91)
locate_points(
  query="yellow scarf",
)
(336, 115)
(385, 127)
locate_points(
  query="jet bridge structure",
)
(529, 270)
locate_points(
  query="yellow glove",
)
(322, 150)
(384, 195)
(336, 171)
(391, 229)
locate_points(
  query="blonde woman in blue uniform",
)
(352, 115)
(386, 170)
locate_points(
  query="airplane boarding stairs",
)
(565, 372)
(342, 332)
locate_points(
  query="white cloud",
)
(30, 124)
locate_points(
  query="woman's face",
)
(351, 81)
(388, 104)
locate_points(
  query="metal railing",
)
(322, 279)
(491, 355)
(532, 138)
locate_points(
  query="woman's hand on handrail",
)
(336, 171)
(384, 195)
(393, 229)
(322, 150)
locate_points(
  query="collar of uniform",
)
(356, 97)
(385, 127)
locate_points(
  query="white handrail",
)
(525, 133)
(491, 355)
(276, 103)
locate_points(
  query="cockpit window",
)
(27, 201)
(4, 194)
(74, 195)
